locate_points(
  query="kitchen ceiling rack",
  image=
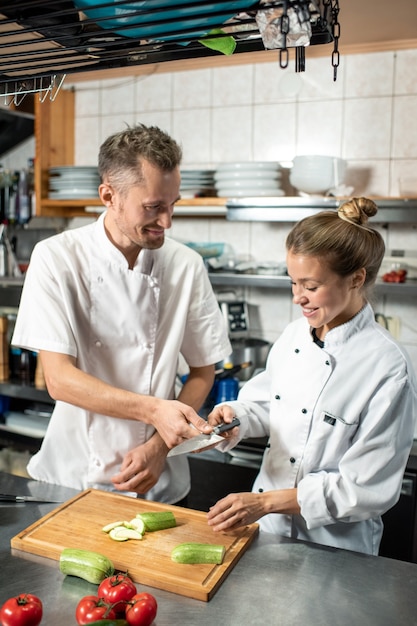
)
(44, 40)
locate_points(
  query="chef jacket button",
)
(260, 490)
(98, 344)
(292, 460)
(277, 397)
(327, 362)
(296, 351)
(303, 410)
(99, 279)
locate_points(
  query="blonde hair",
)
(343, 238)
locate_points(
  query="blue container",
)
(226, 389)
(159, 18)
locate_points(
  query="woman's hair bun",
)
(358, 210)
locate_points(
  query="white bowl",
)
(317, 174)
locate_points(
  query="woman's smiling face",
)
(326, 299)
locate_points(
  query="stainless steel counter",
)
(277, 581)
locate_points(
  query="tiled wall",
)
(260, 112)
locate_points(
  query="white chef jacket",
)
(340, 422)
(127, 328)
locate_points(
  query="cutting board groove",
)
(78, 522)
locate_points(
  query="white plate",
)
(197, 172)
(249, 193)
(73, 194)
(250, 166)
(245, 175)
(73, 168)
(70, 184)
(248, 184)
(196, 186)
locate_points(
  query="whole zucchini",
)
(91, 566)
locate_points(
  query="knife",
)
(202, 441)
(6, 497)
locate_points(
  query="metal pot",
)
(243, 350)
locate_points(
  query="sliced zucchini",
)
(198, 553)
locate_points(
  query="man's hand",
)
(142, 466)
(176, 421)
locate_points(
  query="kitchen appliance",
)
(203, 441)
(236, 314)
(247, 350)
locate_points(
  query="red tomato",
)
(91, 609)
(23, 610)
(141, 610)
(117, 590)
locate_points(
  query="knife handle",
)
(5, 497)
(222, 428)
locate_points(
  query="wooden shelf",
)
(196, 207)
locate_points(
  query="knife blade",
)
(202, 441)
(8, 497)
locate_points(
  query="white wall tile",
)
(110, 124)
(367, 128)
(192, 89)
(232, 85)
(87, 140)
(369, 75)
(192, 128)
(406, 72)
(163, 119)
(317, 80)
(404, 144)
(232, 134)
(153, 92)
(319, 127)
(87, 99)
(274, 132)
(118, 96)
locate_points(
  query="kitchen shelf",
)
(293, 209)
(187, 207)
(283, 282)
(10, 288)
(25, 392)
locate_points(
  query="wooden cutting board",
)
(78, 522)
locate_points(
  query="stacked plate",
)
(196, 183)
(72, 182)
(256, 178)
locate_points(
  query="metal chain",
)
(336, 35)
(284, 24)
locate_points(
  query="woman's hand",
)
(235, 510)
(239, 509)
(223, 413)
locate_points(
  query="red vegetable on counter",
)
(395, 276)
(22, 610)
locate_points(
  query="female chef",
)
(337, 400)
